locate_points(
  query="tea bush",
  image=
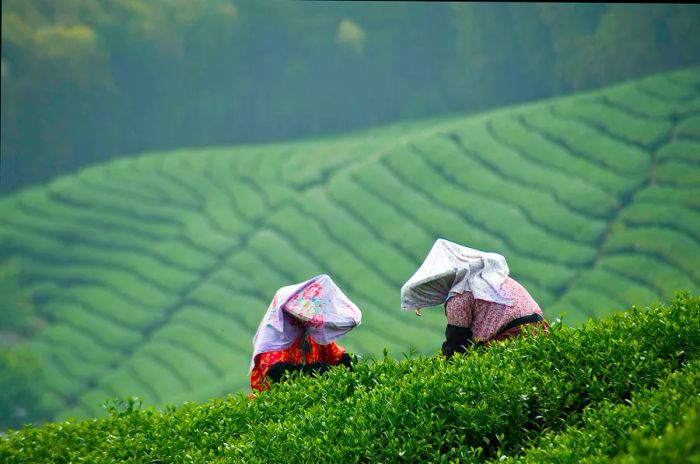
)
(678, 444)
(605, 430)
(570, 395)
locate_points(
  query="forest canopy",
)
(85, 80)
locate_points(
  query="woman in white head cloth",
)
(299, 329)
(482, 304)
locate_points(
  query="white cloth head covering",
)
(450, 269)
(325, 311)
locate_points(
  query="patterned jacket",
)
(487, 319)
(329, 354)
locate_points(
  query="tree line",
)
(86, 80)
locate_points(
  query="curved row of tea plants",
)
(570, 395)
(152, 272)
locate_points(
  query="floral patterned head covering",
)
(324, 311)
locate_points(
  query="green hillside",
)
(624, 389)
(152, 272)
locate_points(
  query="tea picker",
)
(482, 303)
(299, 330)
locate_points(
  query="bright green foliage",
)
(679, 443)
(568, 396)
(151, 273)
(615, 121)
(602, 184)
(640, 102)
(617, 156)
(603, 431)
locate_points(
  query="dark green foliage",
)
(143, 74)
(20, 390)
(579, 389)
(17, 316)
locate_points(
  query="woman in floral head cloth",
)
(299, 330)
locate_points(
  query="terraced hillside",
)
(152, 272)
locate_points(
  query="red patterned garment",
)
(330, 354)
(486, 318)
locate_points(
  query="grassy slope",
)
(153, 271)
(625, 387)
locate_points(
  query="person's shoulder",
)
(335, 347)
(514, 287)
(521, 297)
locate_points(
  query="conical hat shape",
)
(325, 311)
(450, 269)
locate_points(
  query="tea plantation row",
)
(625, 386)
(152, 272)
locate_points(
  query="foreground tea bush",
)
(532, 398)
(670, 410)
(678, 444)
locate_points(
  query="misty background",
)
(86, 80)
